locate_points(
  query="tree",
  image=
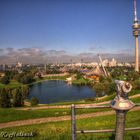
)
(111, 88)
(132, 76)
(99, 89)
(25, 78)
(34, 101)
(25, 91)
(10, 74)
(5, 80)
(79, 75)
(136, 84)
(17, 98)
(4, 98)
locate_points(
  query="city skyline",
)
(39, 30)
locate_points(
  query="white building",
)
(105, 62)
(19, 65)
(113, 63)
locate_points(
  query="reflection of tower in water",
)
(136, 33)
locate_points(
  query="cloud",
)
(1, 51)
(96, 48)
(126, 51)
(29, 55)
(37, 55)
(9, 49)
(86, 54)
(55, 52)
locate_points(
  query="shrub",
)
(34, 101)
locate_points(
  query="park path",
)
(68, 106)
(57, 119)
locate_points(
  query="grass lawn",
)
(81, 81)
(12, 114)
(62, 130)
(7, 115)
(136, 100)
(12, 84)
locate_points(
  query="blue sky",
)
(73, 26)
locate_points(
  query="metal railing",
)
(73, 121)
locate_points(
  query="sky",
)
(42, 30)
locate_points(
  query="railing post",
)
(120, 124)
(73, 122)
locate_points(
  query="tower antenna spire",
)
(135, 12)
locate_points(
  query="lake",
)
(53, 91)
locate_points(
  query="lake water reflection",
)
(59, 91)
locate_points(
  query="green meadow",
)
(62, 130)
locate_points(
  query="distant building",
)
(127, 64)
(69, 79)
(105, 62)
(2, 74)
(113, 63)
(120, 64)
(19, 65)
(94, 64)
(94, 74)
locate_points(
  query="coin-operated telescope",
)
(121, 101)
(121, 104)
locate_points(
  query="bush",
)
(90, 99)
(34, 101)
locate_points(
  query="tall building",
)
(136, 33)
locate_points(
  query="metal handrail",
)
(73, 119)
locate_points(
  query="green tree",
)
(79, 75)
(132, 75)
(25, 91)
(17, 97)
(10, 74)
(99, 89)
(4, 98)
(25, 78)
(5, 80)
(111, 88)
(136, 84)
